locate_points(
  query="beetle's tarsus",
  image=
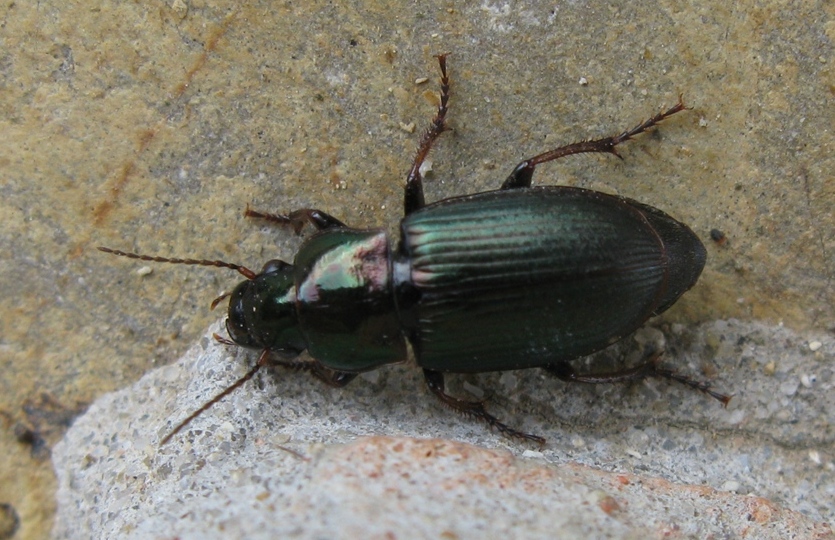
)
(413, 198)
(297, 218)
(649, 368)
(522, 174)
(474, 409)
(701, 386)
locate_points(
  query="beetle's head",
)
(262, 312)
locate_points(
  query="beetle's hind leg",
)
(413, 193)
(475, 409)
(650, 368)
(523, 173)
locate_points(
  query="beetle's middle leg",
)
(435, 382)
(523, 173)
(650, 368)
(413, 193)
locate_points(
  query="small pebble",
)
(730, 485)
(807, 380)
(815, 456)
(473, 389)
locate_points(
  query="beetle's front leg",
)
(413, 193)
(475, 409)
(298, 218)
(523, 173)
(650, 368)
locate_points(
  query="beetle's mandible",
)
(577, 269)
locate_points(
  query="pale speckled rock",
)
(287, 457)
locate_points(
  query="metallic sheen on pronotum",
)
(521, 277)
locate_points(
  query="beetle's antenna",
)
(243, 270)
(262, 361)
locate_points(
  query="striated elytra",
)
(521, 277)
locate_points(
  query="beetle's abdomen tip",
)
(686, 257)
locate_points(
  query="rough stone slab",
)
(286, 457)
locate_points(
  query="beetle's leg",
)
(523, 172)
(413, 193)
(475, 409)
(298, 218)
(650, 368)
(331, 377)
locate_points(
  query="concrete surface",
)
(285, 457)
(150, 126)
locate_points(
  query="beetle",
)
(516, 278)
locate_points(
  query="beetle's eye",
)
(273, 266)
